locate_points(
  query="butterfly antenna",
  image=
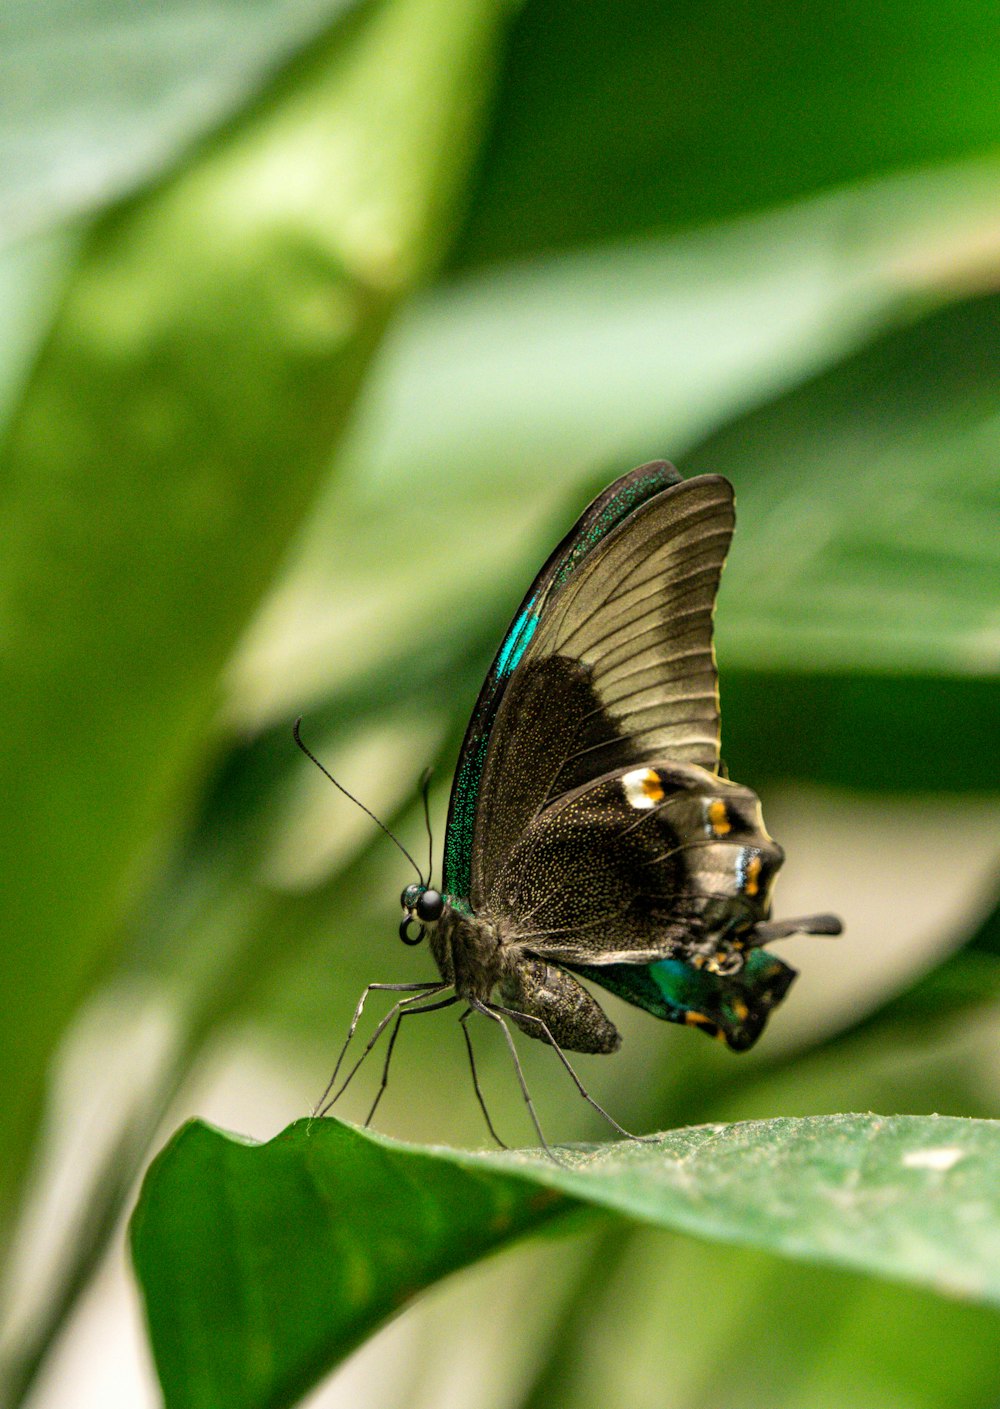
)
(296, 735)
(425, 783)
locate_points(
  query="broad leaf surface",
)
(262, 1265)
(858, 622)
(627, 116)
(859, 601)
(98, 95)
(865, 500)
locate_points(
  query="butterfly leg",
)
(475, 1077)
(543, 1029)
(319, 1108)
(494, 1016)
(428, 989)
(404, 1012)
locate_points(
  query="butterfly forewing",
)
(638, 614)
(620, 668)
(598, 520)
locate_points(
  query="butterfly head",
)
(423, 906)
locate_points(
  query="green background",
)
(322, 322)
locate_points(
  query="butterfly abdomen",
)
(548, 1003)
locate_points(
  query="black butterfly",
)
(591, 833)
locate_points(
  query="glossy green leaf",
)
(261, 1265)
(168, 444)
(628, 116)
(859, 599)
(559, 368)
(33, 275)
(858, 607)
(99, 95)
(867, 503)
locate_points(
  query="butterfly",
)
(593, 837)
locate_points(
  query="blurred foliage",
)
(127, 90)
(262, 454)
(628, 117)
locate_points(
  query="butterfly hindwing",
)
(732, 1007)
(636, 867)
(623, 881)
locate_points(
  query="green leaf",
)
(178, 422)
(857, 609)
(627, 116)
(601, 354)
(99, 95)
(868, 501)
(857, 617)
(32, 277)
(262, 1265)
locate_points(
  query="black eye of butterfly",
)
(429, 906)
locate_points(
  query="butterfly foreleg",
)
(402, 1012)
(322, 1105)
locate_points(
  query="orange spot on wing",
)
(652, 787)
(718, 817)
(643, 788)
(700, 1020)
(752, 884)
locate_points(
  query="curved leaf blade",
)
(101, 95)
(618, 119)
(263, 1264)
(868, 499)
